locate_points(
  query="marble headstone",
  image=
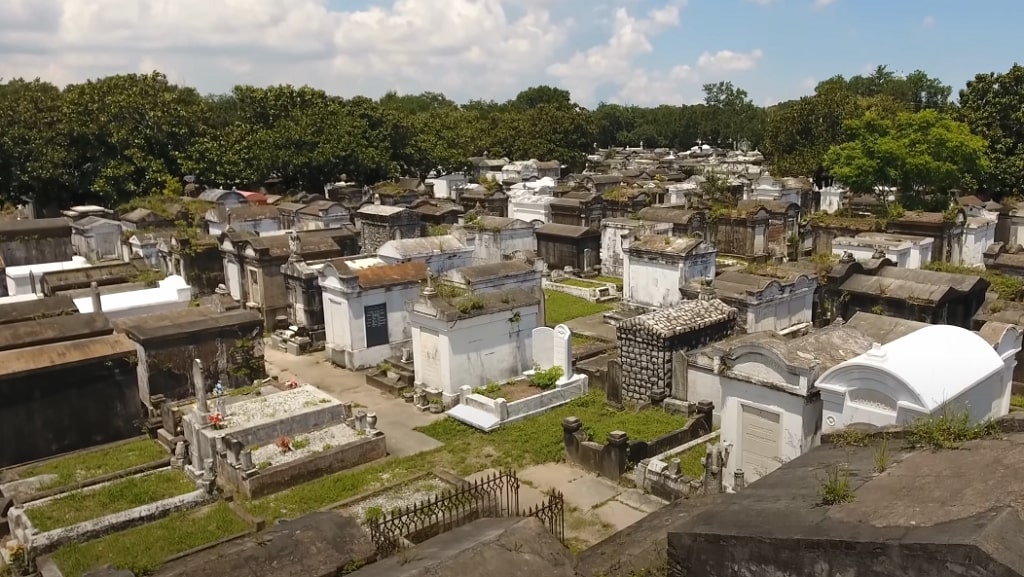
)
(543, 347)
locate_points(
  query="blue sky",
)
(632, 51)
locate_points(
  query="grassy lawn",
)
(143, 549)
(466, 451)
(692, 462)
(1017, 401)
(562, 307)
(92, 464)
(610, 279)
(579, 283)
(120, 495)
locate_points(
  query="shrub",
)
(373, 514)
(547, 378)
(947, 431)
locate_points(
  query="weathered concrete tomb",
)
(69, 395)
(36, 309)
(230, 345)
(492, 547)
(929, 513)
(316, 545)
(35, 241)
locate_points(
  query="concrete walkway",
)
(595, 507)
(394, 416)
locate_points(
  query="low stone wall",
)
(259, 483)
(661, 477)
(41, 543)
(138, 470)
(612, 458)
(505, 412)
(606, 292)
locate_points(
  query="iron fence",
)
(494, 496)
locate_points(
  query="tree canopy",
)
(120, 137)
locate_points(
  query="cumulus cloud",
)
(613, 63)
(472, 47)
(463, 48)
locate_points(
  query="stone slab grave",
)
(550, 348)
(250, 444)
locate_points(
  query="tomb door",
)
(376, 320)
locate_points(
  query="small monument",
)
(294, 246)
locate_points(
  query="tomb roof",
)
(689, 316)
(18, 362)
(883, 329)
(507, 547)
(496, 223)
(667, 214)
(34, 225)
(822, 348)
(937, 363)
(36, 309)
(324, 543)
(392, 274)
(82, 277)
(91, 221)
(105, 289)
(186, 322)
(421, 246)
(660, 243)
(380, 210)
(483, 303)
(53, 330)
(317, 206)
(565, 230)
(874, 527)
(493, 270)
(436, 208)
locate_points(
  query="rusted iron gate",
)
(493, 496)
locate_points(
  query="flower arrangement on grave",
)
(292, 384)
(284, 443)
(216, 419)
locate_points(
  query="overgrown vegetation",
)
(143, 549)
(467, 450)
(691, 463)
(469, 304)
(561, 308)
(1008, 288)
(546, 379)
(835, 487)
(579, 283)
(851, 438)
(490, 390)
(1017, 401)
(881, 455)
(120, 495)
(246, 390)
(92, 464)
(948, 430)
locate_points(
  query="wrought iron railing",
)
(494, 496)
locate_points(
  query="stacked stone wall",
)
(646, 363)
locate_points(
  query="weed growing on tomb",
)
(881, 455)
(948, 430)
(373, 514)
(300, 443)
(1017, 401)
(491, 390)
(547, 378)
(835, 488)
(851, 438)
(243, 391)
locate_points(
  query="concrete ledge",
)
(40, 543)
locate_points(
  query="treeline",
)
(117, 138)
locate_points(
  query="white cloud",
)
(928, 22)
(823, 3)
(613, 63)
(764, 2)
(729, 61)
(468, 47)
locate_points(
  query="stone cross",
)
(200, 383)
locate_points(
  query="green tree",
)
(993, 106)
(123, 133)
(799, 133)
(34, 155)
(916, 153)
(729, 116)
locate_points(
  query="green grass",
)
(561, 307)
(120, 495)
(92, 464)
(610, 279)
(1017, 401)
(143, 549)
(692, 461)
(579, 283)
(467, 450)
